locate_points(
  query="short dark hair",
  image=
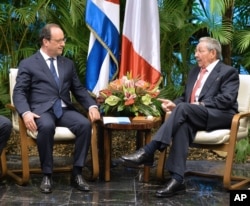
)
(46, 32)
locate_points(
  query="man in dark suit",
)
(209, 105)
(43, 100)
(5, 131)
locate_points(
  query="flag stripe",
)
(103, 45)
(114, 1)
(95, 59)
(108, 36)
(137, 62)
(140, 53)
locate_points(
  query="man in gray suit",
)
(207, 103)
(42, 98)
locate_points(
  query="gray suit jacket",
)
(36, 89)
(219, 93)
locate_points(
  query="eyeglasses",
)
(59, 40)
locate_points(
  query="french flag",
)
(103, 19)
(140, 50)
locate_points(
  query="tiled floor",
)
(125, 188)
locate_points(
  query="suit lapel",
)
(46, 69)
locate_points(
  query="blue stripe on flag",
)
(107, 41)
(103, 27)
(94, 63)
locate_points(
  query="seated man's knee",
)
(82, 126)
(183, 105)
(86, 125)
(46, 127)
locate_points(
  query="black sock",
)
(47, 174)
(177, 177)
(77, 170)
(151, 147)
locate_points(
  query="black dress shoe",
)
(138, 158)
(46, 185)
(173, 187)
(79, 183)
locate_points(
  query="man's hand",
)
(94, 114)
(167, 105)
(29, 121)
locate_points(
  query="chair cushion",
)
(219, 136)
(222, 135)
(62, 133)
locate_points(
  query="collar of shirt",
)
(46, 58)
(209, 69)
(211, 66)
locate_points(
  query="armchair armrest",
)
(11, 107)
(235, 125)
(239, 116)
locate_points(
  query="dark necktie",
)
(198, 84)
(53, 71)
(57, 107)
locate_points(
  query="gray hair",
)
(212, 44)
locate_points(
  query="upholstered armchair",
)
(224, 140)
(62, 136)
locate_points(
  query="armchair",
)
(62, 136)
(224, 140)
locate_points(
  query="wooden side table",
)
(144, 127)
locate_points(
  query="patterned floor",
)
(125, 188)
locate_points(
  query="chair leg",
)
(23, 178)
(3, 164)
(12, 173)
(228, 177)
(161, 165)
(230, 182)
(94, 152)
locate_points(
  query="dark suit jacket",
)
(219, 93)
(36, 89)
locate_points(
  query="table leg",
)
(147, 168)
(139, 139)
(107, 156)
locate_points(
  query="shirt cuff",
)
(23, 114)
(93, 106)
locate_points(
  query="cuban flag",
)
(140, 50)
(103, 19)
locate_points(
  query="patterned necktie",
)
(198, 84)
(57, 107)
